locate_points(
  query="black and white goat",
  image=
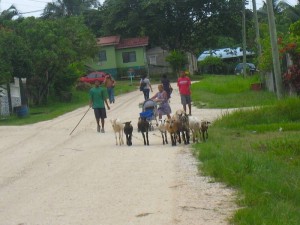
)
(143, 127)
(128, 128)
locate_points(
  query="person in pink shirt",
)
(184, 86)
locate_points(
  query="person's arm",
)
(154, 96)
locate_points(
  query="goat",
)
(118, 128)
(171, 127)
(128, 128)
(204, 129)
(182, 120)
(163, 131)
(143, 127)
(194, 125)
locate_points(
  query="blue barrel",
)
(22, 111)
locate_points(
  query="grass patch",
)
(248, 151)
(229, 91)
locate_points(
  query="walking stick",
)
(80, 120)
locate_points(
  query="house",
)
(225, 53)
(157, 64)
(120, 57)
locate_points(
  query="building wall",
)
(15, 97)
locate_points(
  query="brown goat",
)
(204, 129)
(172, 128)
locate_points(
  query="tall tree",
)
(58, 50)
(62, 8)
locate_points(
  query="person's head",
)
(164, 76)
(144, 76)
(160, 87)
(182, 73)
(97, 83)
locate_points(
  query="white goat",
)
(163, 131)
(194, 124)
(118, 128)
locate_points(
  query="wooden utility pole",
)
(244, 38)
(257, 35)
(275, 54)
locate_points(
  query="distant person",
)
(98, 96)
(145, 86)
(166, 85)
(184, 86)
(161, 97)
(110, 83)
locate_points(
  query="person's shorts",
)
(100, 113)
(185, 99)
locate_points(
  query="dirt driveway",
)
(48, 177)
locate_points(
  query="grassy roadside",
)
(54, 108)
(255, 151)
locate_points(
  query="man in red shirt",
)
(184, 84)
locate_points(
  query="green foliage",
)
(177, 60)
(214, 64)
(15, 61)
(58, 48)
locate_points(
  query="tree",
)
(177, 60)
(58, 50)
(62, 8)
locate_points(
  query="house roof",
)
(123, 43)
(109, 40)
(224, 53)
(133, 42)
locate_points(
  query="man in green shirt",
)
(98, 95)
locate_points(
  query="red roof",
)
(133, 42)
(110, 40)
(123, 43)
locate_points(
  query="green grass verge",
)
(256, 151)
(229, 91)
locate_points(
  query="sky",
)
(35, 7)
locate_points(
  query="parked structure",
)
(15, 97)
(157, 63)
(224, 53)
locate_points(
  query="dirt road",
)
(48, 177)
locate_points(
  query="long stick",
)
(80, 120)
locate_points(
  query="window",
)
(152, 60)
(129, 57)
(102, 56)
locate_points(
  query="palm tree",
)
(62, 8)
(9, 13)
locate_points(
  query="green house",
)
(121, 57)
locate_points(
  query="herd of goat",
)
(178, 126)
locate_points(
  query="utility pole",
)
(257, 35)
(275, 54)
(244, 38)
(256, 27)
